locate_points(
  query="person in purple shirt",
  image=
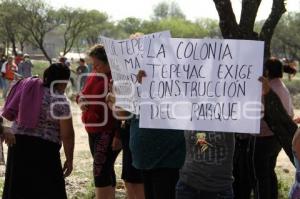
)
(42, 124)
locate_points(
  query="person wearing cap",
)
(64, 61)
(18, 58)
(25, 67)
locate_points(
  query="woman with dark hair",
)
(41, 125)
(267, 146)
(100, 124)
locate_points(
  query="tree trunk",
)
(275, 115)
(7, 45)
(14, 47)
(45, 53)
(22, 45)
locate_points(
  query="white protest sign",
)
(125, 58)
(202, 84)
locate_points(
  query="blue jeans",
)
(1, 82)
(295, 189)
(184, 191)
(6, 87)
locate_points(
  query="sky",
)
(193, 9)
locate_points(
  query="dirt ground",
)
(284, 165)
(81, 180)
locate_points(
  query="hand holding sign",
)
(209, 85)
(265, 85)
(125, 58)
(141, 74)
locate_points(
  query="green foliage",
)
(9, 26)
(161, 11)
(164, 10)
(39, 67)
(285, 181)
(100, 26)
(74, 23)
(183, 28)
(31, 20)
(170, 17)
(210, 26)
(286, 39)
(294, 88)
(130, 25)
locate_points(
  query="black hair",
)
(287, 68)
(275, 68)
(54, 72)
(98, 52)
(82, 60)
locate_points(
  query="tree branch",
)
(228, 24)
(267, 31)
(248, 15)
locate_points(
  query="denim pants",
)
(6, 87)
(184, 191)
(295, 190)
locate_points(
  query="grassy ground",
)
(294, 88)
(80, 186)
(39, 67)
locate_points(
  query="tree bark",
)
(248, 16)
(267, 31)
(228, 24)
(22, 45)
(275, 115)
(232, 30)
(45, 53)
(14, 47)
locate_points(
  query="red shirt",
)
(98, 118)
(10, 71)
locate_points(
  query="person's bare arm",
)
(8, 137)
(297, 120)
(118, 111)
(68, 140)
(6, 134)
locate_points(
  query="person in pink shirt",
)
(267, 146)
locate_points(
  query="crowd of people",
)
(14, 68)
(157, 163)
